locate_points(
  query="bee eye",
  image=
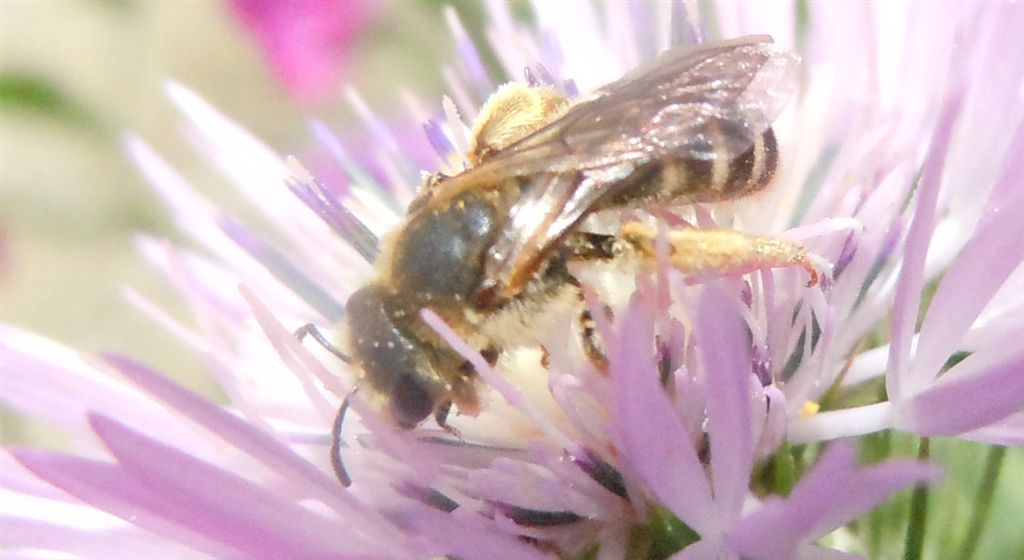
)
(411, 401)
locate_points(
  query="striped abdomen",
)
(721, 178)
(690, 180)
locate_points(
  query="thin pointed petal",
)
(726, 359)
(833, 493)
(108, 487)
(911, 279)
(654, 440)
(245, 515)
(983, 389)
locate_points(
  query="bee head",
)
(393, 360)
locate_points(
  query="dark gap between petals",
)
(426, 496)
(601, 472)
(534, 517)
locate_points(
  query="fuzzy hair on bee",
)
(512, 113)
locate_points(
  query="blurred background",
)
(75, 77)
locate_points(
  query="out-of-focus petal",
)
(984, 388)
(993, 253)
(1009, 431)
(819, 553)
(236, 511)
(833, 493)
(911, 278)
(270, 451)
(107, 487)
(703, 550)
(447, 533)
(122, 543)
(305, 41)
(59, 385)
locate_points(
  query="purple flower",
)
(708, 381)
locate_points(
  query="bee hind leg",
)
(716, 251)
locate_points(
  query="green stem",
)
(918, 512)
(983, 502)
(785, 470)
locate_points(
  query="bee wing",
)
(703, 102)
(552, 203)
(706, 102)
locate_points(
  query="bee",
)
(495, 242)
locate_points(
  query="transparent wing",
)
(702, 102)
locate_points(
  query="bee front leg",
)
(717, 251)
(441, 417)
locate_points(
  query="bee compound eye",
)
(410, 400)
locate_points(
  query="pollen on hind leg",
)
(699, 251)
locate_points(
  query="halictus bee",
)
(495, 242)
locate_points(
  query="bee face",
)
(392, 359)
(694, 126)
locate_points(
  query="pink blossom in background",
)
(305, 41)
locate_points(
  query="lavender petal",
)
(725, 357)
(435, 135)
(984, 388)
(653, 438)
(339, 218)
(109, 488)
(117, 543)
(911, 279)
(262, 446)
(209, 500)
(464, 535)
(284, 269)
(1009, 432)
(833, 493)
(989, 258)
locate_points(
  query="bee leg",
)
(717, 251)
(441, 417)
(490, 354)
(589, 337)
(309, 329)
(586, 246)
(591, 341)
(337, 463)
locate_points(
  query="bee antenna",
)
(312, 330)
(337, 464)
